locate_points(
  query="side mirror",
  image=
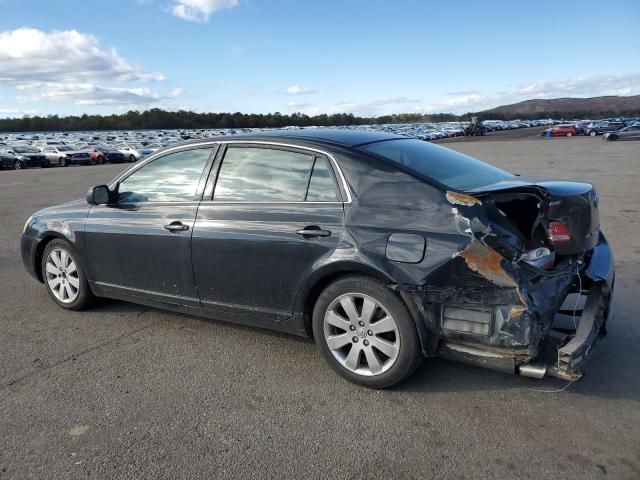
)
(100, 195)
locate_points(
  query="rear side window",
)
(448, 167)
(254, 174)
(322, 186)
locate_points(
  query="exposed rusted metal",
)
(489, 352)
(487, 262)
(516, 312)
(462, 199)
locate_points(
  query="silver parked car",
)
(631, 132)
(64, 155)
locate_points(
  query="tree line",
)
(162, 119)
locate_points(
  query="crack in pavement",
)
(73, 356)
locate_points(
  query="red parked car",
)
(564, 131)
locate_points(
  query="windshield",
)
(26, 150)
(63, 148)
(448, 167)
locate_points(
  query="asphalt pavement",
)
(125, 391)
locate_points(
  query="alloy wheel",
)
(62, 275)
(361, 334)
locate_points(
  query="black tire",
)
(64, 162)
(17, 165)
(409, 356)
(612, 138)
(593, 133)
(85, 297)
(132, 158)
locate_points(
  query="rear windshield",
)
(448, 167)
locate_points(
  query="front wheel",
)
(64, 162)
(569, 134)
(132, 158)
(64, 277)
(612, 138)
(593, 133)
(18, 165)
(365, 332)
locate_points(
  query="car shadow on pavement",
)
(611, 372)
(178, 320)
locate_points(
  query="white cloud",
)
(72, 66)
(15, 112)
(200, 10)
(299, 106)
(28, 55)
(90, 94)
(296, 90)
(579, 87)
(585, 86)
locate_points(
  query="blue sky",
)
(367, 57)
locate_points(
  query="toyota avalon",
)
(383, 248)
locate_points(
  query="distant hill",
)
(595, 107)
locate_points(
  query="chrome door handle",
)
(313, 231)
(176, 227)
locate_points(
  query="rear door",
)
(52, 155)
(140, 246)
(633, 132)
(275, 213)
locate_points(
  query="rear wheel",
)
(64, 277)
(365, 332)
(569, 134)
(132, 158)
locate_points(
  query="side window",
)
(254, 174)
(171, 178)
(322, 186)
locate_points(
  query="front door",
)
(275, 214)
(140, 246)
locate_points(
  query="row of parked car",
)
(62, 150)
(612, 129)
(26, 150)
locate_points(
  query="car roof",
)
(323, 136)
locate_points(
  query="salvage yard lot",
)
(124, 390)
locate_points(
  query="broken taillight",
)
(559, 233)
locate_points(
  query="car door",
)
(276, 213)
(51, 155)
(634, 132)
(140, 245)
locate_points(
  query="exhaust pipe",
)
(532, 370)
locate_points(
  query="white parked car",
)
(129, 151)
(64, 155)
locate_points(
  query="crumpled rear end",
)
(498, 305)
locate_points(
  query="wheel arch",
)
(320, 279)
(46, 239)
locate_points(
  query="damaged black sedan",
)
(385, 249)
